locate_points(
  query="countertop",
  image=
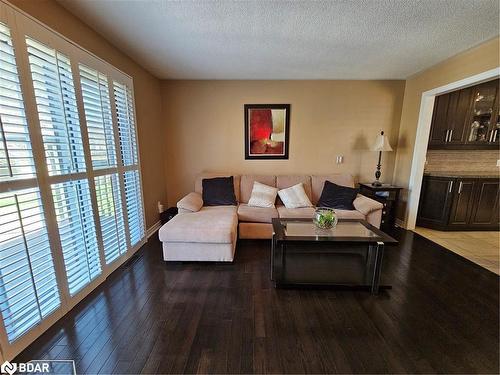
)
(462, 174)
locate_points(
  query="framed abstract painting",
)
(267, 128)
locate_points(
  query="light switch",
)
(340, 159)
(498, 163)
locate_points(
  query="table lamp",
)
(381, 144)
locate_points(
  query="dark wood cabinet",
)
(454, 203)
(435, 201)
(462, 203)
(439, 127)
(467, 118)
(457, 113)
(485, 211)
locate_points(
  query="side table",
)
(168, 214)
(386, 194)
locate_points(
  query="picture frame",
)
(267, 131)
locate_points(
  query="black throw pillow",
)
(218, 191)
(336, 196)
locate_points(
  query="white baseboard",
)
(153, 229)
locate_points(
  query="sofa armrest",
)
(370, 208)
(190, 203)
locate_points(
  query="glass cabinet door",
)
(495, 129)
(481, 116)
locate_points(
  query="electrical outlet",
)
(340, 159)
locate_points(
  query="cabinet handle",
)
(450, 186)
(451, 135)
(494, 135)
(446, 136)
(460, 187)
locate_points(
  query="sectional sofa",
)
(201, 233)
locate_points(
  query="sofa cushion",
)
(292, 213)
(218, 191)
(256, 214)
(246, 185)
(286, 181)
(337, 196)
(209, 225)
(295, 197)
(262, 195)
(198, 185)
(317, 183)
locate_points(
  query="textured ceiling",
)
(358, 39)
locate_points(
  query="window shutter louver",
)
(109, 204)
(28, 286)
(126, 123)
(133, 198)
(57, 109)
(16, 157)
(75, 221)
(98, 117)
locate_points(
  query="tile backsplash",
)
(462, 161)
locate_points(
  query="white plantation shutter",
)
(16, 157)
(128, 149)
(97, 106)
(109, 204)
(126, 123)
(71, 208)
(57, 109)
(134, 206)
(75, 220)
(28, 287)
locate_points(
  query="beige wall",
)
(204, 128)
(479, 59)
(146, 87)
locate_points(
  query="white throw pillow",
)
(295, 197)
(262, 195)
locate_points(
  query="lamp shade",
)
(381, 143)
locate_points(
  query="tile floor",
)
(482, 248)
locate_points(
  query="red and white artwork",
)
(266, 127)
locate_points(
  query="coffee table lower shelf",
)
(343, 263)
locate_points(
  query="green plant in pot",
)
(325, 218)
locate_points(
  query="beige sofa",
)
(200, 233)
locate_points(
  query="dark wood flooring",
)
(441, 316)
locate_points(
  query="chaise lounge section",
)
(200, 233)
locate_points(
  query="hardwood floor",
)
(152, 317)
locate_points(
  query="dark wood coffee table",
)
(348, 255)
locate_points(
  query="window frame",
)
(22, 25)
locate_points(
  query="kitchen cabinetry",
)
(485, 210)
(435, 201)
(459, 203)
(467, 118)
(462, 204)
